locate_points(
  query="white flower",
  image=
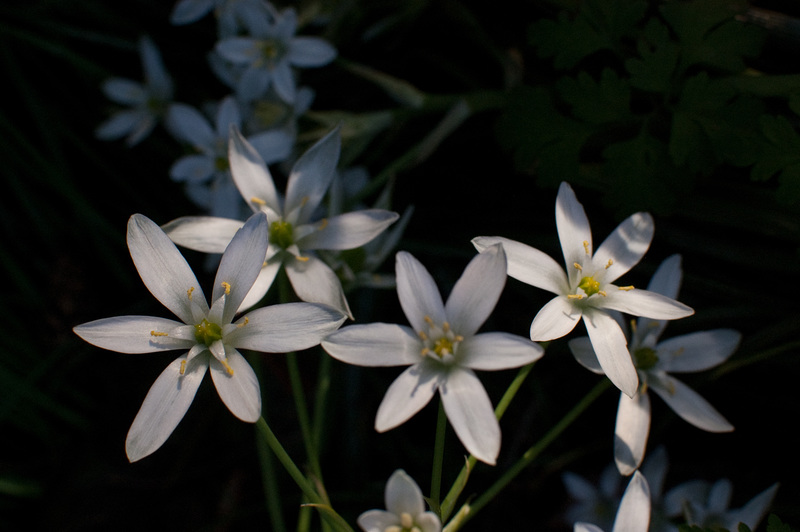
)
(633, 514)
(405, 509)
(293, 231)
(270, 53)
(586, 290)
(594, 504)
(207, 173)
(442, 349)
(208, 335)
(232, 15)
(654, 361)
(148, 102)
(709, 505)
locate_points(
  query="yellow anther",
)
(575, 296)
(425, 351)
(626, 288)
(586, 246)
(227, 287)
(227, 366)
(154, 333)
(264, 264)
(423, 335)
(577, 266)
(445, 326)
(406, 521)
(189, 292)
(610, 262)
(301, 258)
(304, 201)
(183, 367)
(602, 293)
(428, 320)
(323, 224)
(258, 201)
(458, 338)
(245, 322)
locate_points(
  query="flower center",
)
(589, 285)
(271, 51)
(406, 524)
(207, 333)
(645, 358)
(281, 233)
(439, 340)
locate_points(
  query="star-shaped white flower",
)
(294, 230)
(270, 52)
(208, 335)
(148, 101)
(405, 509)
(231, 15)
(633, 514)
(654, 361)
(442, 349)
(585, 290)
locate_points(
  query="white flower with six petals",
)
(405, 509)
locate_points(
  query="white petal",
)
(163, 269)
(476, 292)
(253, 83)
(241, 264)
(261, 285)
(611, 349)
(689, 405)
(188, 125)
(238, 49)
(132, 334)
(528, 264)
(402, 495)
(143, 126)
(124, 91)
(754, 511)
(208, 234)
(240, 392)
(626, 246)
(554, 320)
(470, 412)
(250, 174)
(633, 514)
(186, 11)
(227, 115)
(119, 125)
(497, 350)
(349, 230)
(407, 395)
(274, 145)
(193, 168)
(697, 351)
(377, 520)
(419, 296)
(283, 81)
(631, 432)
(312, 174)
(428, 522)
(586, 527)
(374, 344)
(164, 407)
(315, 282)
(310, 52)
(286, 327)
(643, 303)
(574, 232)
(667, 278)
(155, 74)
(584, 353)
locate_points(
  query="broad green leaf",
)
(654, 69)
(597, 102)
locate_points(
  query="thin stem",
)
(438, 458)
(302, 413)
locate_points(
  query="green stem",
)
(302, 414)
(533, 452)
(438, 459)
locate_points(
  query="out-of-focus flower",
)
(208, 335)
(590, 503)
(148, 101)
(633, 514)
(442, 349)
(709, 506)
(232, 15)
(294, 233)
(654, 362)
(405, 509)
(586, 290)
(270, 52)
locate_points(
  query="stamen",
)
(189, 292)
(445, 326)
(586, 246)
(425, 351)
(227, 287)
(458, 338)
(258, 201)
(183, 367)
(602, 293)
(245, 322)
(154, 333)
(575, 296)
(301, 258)
(577, 266)
(323, 224)
(423, 335)
(406, 521)
(626, 288)
(227, 367)
(428, 320)
(610, 262)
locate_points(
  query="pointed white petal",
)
(689, 405)
(124, 91)
(753, 512)
(419, 296)
(188, 125)
(187, 11)
(528, 264)
(315, 282)
(164, 407)
(475, 294)
(274, 145)
(583, 352)
(643, 303)
(119, 125)
(407, 395)
(697, 351)
(143, 126)
(625, 246)
(377, 520)
(250, 174)
(253, 83)
(286, 327)
(163, 269)
(155, 74)
(631, 432)
(574, 232)
(192, 168)
(633, 514)
(132, 334)
(402, 495)
(428, 522)
(349, 230)
(470, 412)
(611, 349)
(374, 344)
(241, 264)
(586, 527)
(283, 81)
(261, 285)
(497, 350)
(208, 234)
(310, 52)
(227, 115)
(312, 174)
(667, 282)
(554, 320)
(238, 49)
(655, 470)
(240, 392)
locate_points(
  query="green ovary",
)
(645, 358)
(281, 234)
(589, 285)
(207, 333)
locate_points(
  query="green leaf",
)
(780, 155)
(654, 69)
(597, 102)
(774, 524)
